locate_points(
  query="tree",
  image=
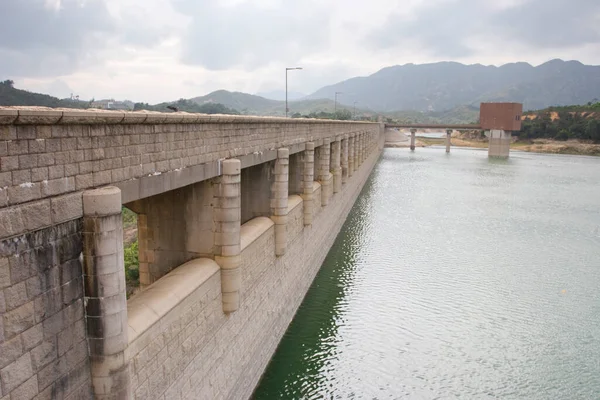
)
(8, 82)
(592, 130)
(563, 135)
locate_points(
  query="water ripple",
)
(455, 277)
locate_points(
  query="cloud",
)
(252, 34)
(551, 24)
(449, 28)
(50, 38)
(157, 50)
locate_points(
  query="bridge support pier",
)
(308, 177)
(336, 168)
(104, 286)
(325, 176)
(227, 233)
(499, 143)
(448, 133)
(279, 200)
(344, 159)
(413, 136)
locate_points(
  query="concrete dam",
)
(235, 217)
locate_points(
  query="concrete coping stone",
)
(48, 116)
(293, 202)
(147, 308)
(102, 201)
(253, 229)
(8, 116)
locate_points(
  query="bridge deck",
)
(435, 126)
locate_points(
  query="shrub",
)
(132, 265)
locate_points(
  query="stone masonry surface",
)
(48, 156)
(197, 352)
(43, 348)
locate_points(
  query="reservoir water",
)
(455, 276)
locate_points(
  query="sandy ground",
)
(536, 146)
(395, 138)
(556, 147)
(470, 139)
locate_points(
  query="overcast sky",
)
(159, 50)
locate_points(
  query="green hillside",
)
(10, 96)
(563, 123)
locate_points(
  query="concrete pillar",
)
(325, 177)
(499, 145)
(227, 233)
(448, 133)
(279, 200)
(356, 152)
(344, 160)
(104, 286)
(336, 168)
(358, 148)
(363, 148)
(351, 165)
(308, 177)
(413, 136)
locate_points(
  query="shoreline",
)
(546, 146)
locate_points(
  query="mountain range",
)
(437, 92)
(445, 85)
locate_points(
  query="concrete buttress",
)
(336, 168)
(308, 178)
(106, 301)
(227, 233)
(344, 159)
(279, 199)
(325, 177)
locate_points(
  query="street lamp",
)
(286, 96)
(335, 103)
(354, 112)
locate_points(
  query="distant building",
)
(113, 105)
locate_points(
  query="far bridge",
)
(498, 119)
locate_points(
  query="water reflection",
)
(315, 326)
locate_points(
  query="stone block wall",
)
(183, 344)
(256, 190)
(43, 348)
(196, 351)
(46, 154)
(295, 223)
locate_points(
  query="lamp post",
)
(286, 94)
(335, 102)
(354, 111)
